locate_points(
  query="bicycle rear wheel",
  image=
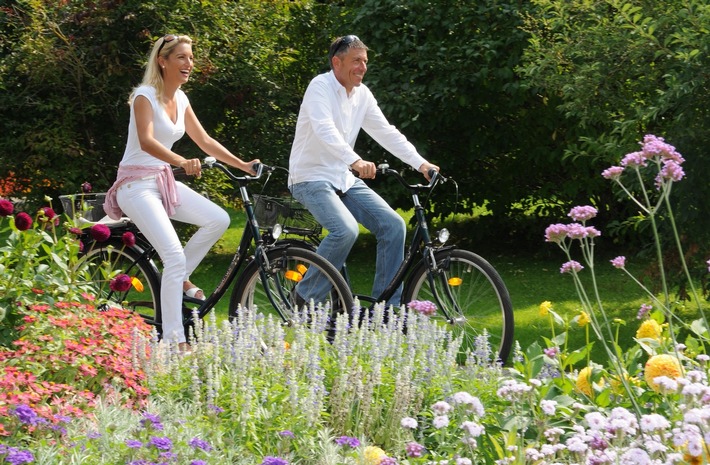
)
(107, 260)
(286, 268)
(471, 298)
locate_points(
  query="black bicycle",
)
(469, 294)
(263, 275)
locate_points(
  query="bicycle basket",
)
(87, 206)
(290, 214)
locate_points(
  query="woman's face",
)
(178, 65)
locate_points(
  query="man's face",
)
(350, 68)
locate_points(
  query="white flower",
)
(408, 422)
(441, 407)
(441, 421)
(473, 428)
(548, 406)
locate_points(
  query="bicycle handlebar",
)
(434, 177)
(211, 162)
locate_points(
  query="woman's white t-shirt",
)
(164, 130)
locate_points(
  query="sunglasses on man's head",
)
(343, 42)
(166, 38)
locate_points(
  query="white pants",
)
(141, 202)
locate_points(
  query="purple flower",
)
(634, 160)
(133, 444)
(163, 443)
(422, 306)
(268, 460)
(17, 456)
(643, 311)
(708, 263)
(653, 146)
(287, 434)
(556, 233)
(100, 232)
(571, 266)
(348, 441)
(28, 416)
(23, 221)
(198, 443)
(129, 239)
(120, 283)
(613, 172)
(86, 187)
(619, 262)
(551, 351)
(6, 207)
(582, 213)
(388, 461)
(198, 462)
(151, 420)
(414, 449)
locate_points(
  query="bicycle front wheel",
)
(103, 262)
(286, 267)
(470, 297)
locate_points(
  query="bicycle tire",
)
(480, 300)
(111, 258)
(285, 268)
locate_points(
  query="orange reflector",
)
(455, 281)
(301, 268)
(293, 276)
(137, 284)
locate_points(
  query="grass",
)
(531, 277)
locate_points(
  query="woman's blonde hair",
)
(153, 75)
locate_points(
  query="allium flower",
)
(661, 365)
(649, 329)
(424, 307)
(545, 308)
(348, 441)
(129, 239)
(86, 187)
(613, 172)
(582, 213)
(571, 266)
(619, 262)
(6, 207)
(414, 449)
(556, 233)
(23, 221)
(408, 422)
(120, 283)
(268, 460)
(100, 232)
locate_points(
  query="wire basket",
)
(290, 214)
(90, 207)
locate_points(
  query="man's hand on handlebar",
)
(426, 168)
(364, 169)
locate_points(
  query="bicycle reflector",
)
(294, 276)
(301, 268)
(455, 281)
(137, 284)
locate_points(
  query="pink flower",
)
(634, 159)
(6, 207)
(100, 232)
(643, 311)
(577, 231)
(619, 262)
(129, 240)
(654, 146)
(613, 172)
(556, 233)
(414, 449)
(671, 171)
(47, 214)
(571, 266)
(422, 306)
(86, 187)
(708, 262)
(582, 213)
(23, 221)
(120, 283)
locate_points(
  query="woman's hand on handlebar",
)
(249, 166)
(192, 166)
(426, 168)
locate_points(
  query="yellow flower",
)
(617, 384)
(584, 381)
(583, 319)
(649, 329)
(545, 308)
(373, 455)
(661, 365)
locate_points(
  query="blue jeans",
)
(340, 217)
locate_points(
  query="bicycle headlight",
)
(443, 235)
(276, 231)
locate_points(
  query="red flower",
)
(120, 283)
(129, 240)
(100, 232)
(49, 213)
(6, 207)
(23, 221)
(86, 187)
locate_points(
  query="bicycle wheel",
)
(471, 298)
(286, 268)
(109, 259)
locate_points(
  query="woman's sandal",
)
(193, 291)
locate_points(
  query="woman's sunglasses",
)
(166, 38)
